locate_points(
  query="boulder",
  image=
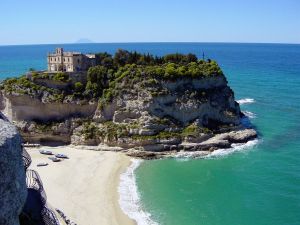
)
(242, 136)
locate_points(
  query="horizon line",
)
(153, 42)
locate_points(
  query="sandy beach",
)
(85, 186)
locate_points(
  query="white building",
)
(70, 61)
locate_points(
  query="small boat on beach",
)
(46, 152)
(54, 159)
(42, 164)
(62, 156)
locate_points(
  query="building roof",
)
(72, 54)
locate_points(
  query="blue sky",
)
(66, 21)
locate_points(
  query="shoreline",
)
(85, 186)
(116, 182)
(129, 200)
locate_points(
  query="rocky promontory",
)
(147, 106)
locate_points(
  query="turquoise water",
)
(259, 185)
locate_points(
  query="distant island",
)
(83, 41)
(147, 106)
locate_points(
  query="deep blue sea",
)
(258, 184)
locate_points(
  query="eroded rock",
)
(13, 190)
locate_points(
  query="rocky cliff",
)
(158, 107)
(13, 190)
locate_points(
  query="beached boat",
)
(42, 164)
(46, 152)
(54, 159)
(62, 156)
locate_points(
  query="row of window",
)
(54, 59)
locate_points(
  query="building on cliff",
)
(69, 61)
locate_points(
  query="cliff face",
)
(182, 101)
(13, 190)
(26, 108)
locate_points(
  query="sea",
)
(253, 184)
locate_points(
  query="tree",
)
(104, 59)
(79, 88)
(60, 76)
(121, 57)
(191, 58)
(97, 80)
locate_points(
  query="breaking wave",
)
(130, 198)
(246, 101)
(234, 148)
(219, 152)
(249, 114)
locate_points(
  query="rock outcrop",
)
(158, 107)
(183, 100)
(13, 190)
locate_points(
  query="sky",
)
(106, 21)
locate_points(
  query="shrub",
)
(194, 130)
(78, 87)
(90, 131)
(62, 77)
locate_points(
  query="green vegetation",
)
(36, 75)
(194, 130)
(114, 75)
(159, 136)
(78, 87)
(96, 80)
(22, 85)
(111, 131)
(90, 131)
(108, 130)
(62, 77)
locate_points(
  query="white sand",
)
(85, 186)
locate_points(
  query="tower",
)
(59, 53)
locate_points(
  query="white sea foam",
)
(234, 148)
(130, 198)
(217, 153)
(250, 115)
(246, 101)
